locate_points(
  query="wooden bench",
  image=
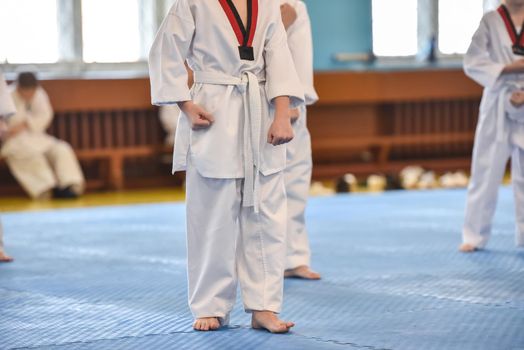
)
(380, 149)
(112, 163)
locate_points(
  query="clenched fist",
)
(517, 98)
(198, 116)
(280, 132)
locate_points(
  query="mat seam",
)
(93, 341)
(498, 305)
(233, 327)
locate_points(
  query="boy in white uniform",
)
(42, 164)
(7, 108)
(230, 139)
(299, 161)
(495, 60)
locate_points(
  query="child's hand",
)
(198, 116)
(280, 131)
(289, 15)
(519, 62)
(515, 67)
(294, 114)
(517, 98)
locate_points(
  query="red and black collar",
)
(517, 39)
(245, 35)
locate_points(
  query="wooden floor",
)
(94, 199)
(128, 197)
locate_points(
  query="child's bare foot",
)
(303, 272)
(467, 248)
(205, 324)
(269, 321)
(4, 258)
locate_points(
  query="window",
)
(395, 27)
(28, 31)
(111, 31)
(406, 27)
(457, 22)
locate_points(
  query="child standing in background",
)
(495, 60)
(299, 161)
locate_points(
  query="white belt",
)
(501, 115)
(248, 84)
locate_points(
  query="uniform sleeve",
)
(281, 75)
(40, 115)
(300, 43)
(7, 107)
(168, 54)
(478, 63)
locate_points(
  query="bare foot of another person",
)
(303, 272)
(4, 258)
(206, 324)
(269, 321)
(467, 248)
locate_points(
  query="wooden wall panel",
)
(99, 94)
(377, 87)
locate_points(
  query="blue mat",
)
(114, 278)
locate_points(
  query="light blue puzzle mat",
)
(114, 278)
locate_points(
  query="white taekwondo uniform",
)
(169, 115)
(40, 162)
(500, 129)
(7, 109)
(299, 161)
(236, 203)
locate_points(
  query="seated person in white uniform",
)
(43, 165)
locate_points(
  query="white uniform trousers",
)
(227, 243)
(1, 237)
(297, 181)
(39, 171)
(489, 163)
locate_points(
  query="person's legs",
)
(66, 166)
(34, 174)
(489, 164)
(297, 177)
(261, 254)
(3, 256)
(213, 207)
(517, 179)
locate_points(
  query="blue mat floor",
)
(114, 278)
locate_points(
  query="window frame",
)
(153, 12)
(393, 59)
(70, 61)
(428, 26)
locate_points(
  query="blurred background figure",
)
(43, 165)
(169, 119)
(7, 109)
